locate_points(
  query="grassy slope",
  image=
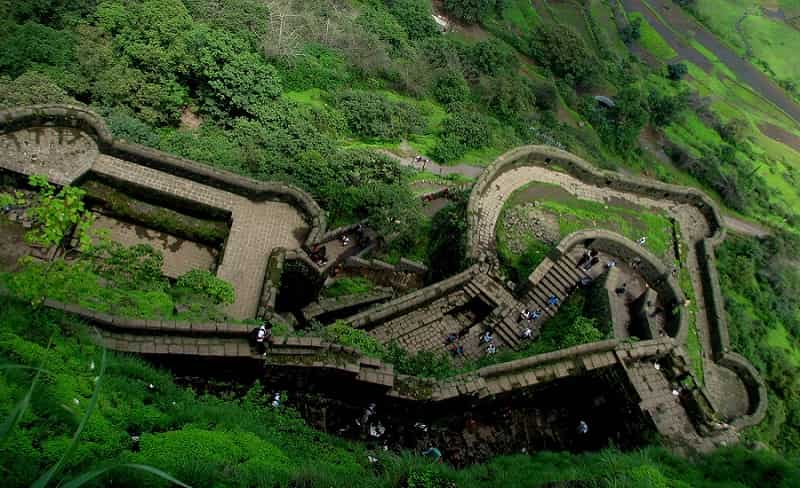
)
(224, 441)
(652, 41)
(745, 27)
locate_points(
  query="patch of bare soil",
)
(779, 134)
(189, 119)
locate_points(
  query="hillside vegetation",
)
(315, 93)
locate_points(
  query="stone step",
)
(558, 282)
(569, 270)
(504, 330)
(551, 289)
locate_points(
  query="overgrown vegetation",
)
(142, 417)
(761, 285)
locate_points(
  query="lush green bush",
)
(31, 88)
(561, 49)
(492, 58)
(470, 11)
(415, 17)
(450, 87)
(369, 114)
(204, 283)
(462, 131)
(341, 333)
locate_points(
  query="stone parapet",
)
(90, 123)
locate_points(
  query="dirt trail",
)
(681, 22)
(744, 227)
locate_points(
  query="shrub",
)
(369, 114)
(31, 44)
(493, 57)
(470, 11)
(449, 87)
(461, 132)
(341, 333)
(562, 50)
(31, 88)
(415, 17)
(546, 95)
(205, 283)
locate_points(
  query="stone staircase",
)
(559, 280)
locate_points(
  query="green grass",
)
(693, 346)
(770, 41)
(520, 14)
(779, 337)
(348, 286)
(652, 41)
(575, 214)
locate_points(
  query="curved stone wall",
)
(79, 118)
(653, 269)
(577, 167)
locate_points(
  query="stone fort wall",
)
(577, 167)
(79, 118)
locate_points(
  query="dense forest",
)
(318, 94)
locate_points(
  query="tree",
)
(631, 31)
(676, 71)
(470, 11)
(55, 213)
(237, 80)
(30, 45)
(562, 50)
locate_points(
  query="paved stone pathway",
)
(694, 228)
(257, 227)
(65, 154)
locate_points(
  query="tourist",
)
(456, 350)
(262, 335)
(589, 264)
(583, 428)
(451, 338)
(487, 336)
(636, 262)
(527, 333)
(491, 349)
(276, 400)
(377, 430)
(536, 314)
(642, 240)
(620, 290)
(586, 281)
(552, 301)
(368, 412)
(584, 258)
(525, 314)
(345, 240)
(611, 263)
(433, 453)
